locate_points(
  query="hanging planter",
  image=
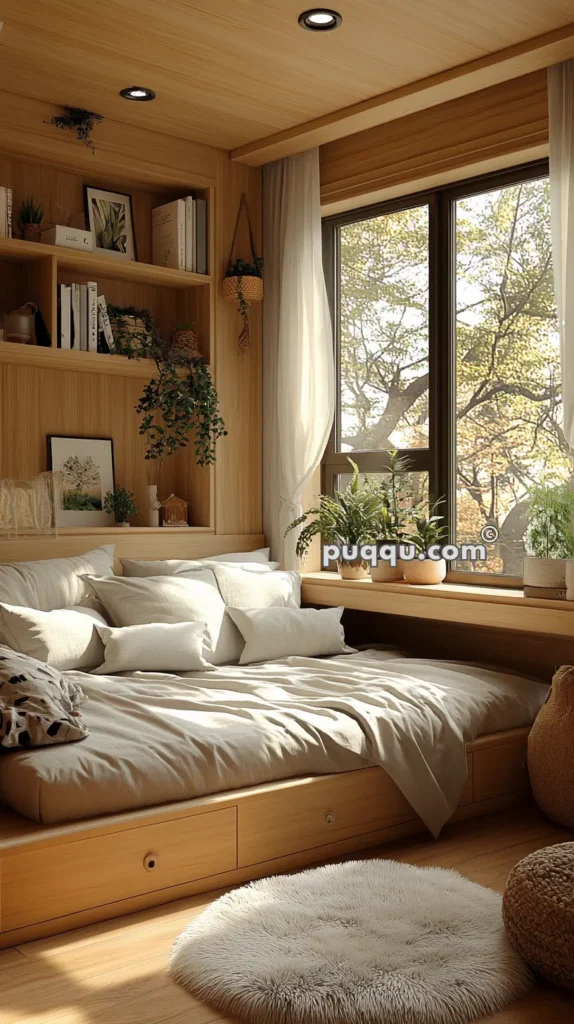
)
(243, 283)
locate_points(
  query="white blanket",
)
(155, 739)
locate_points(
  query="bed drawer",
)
(59, 880)
(302, 817)
(500, 770)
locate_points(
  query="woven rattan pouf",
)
(538, 911)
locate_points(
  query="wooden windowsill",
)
(498, 607)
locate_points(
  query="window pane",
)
(384, 284)
(508, 403)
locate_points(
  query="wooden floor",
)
(115, 973)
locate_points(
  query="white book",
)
(84, 317)
(92, 316)
(190, 234)
(75, 343)
(168, 235)
(104, 324)
(201, 236)
(65, 316)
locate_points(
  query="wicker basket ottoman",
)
(538, 911)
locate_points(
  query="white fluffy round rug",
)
(365, 942)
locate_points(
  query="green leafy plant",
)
(180, 400)
(78, 120)
(428, 529)
(549, 531)
(30, 212)
(77, 501)
(397, 500)
(121, 503)
(351, 517)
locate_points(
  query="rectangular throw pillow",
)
(272, 633)
(153, 647)
(261, 556)
(135, 601)
(38, 705)
(65, 638)
(54, 582)
(181, 567)
(241, 587)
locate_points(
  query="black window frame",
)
(439, 459)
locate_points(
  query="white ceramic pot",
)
(384, 572)
(355, 570)
(425, 571)
(544, 572)
(123, 524)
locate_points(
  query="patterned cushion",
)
(38, 705)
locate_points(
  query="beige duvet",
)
(156, 739)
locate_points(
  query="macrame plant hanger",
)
(243, 289)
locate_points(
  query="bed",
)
(187, 783)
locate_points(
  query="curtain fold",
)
(561, 132)
(298, 362)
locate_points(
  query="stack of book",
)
(179, 235)
(83, 321)
(5, 212)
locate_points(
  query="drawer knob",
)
(329, 818)
(150, 861)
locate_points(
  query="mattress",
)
(160, 738)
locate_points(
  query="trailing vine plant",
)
(78, 120)
(180, 400)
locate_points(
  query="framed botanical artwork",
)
(110, 220)
(87, 468)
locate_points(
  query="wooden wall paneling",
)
(510, 118)
(237, 374)
(143, 543)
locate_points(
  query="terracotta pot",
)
(425, 571)
(383, 572)
(33, 232)
(355, 570)
(544, 572)
(551, 751)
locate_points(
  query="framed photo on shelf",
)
(110, 219)
(87, 468)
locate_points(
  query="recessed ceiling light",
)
(137, 92)
(320, 19)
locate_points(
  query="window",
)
(447, 350)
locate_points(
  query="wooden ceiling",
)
(228, 72)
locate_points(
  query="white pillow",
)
(180, 567)
(65, 638)
(134, 601)
(154, 647)
(261, 555)
(242, 587)
(272, 633)
(53, 582)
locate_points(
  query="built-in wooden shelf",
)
(122, 531)
(63, 359)
(94, 264)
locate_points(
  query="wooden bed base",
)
(55, 878)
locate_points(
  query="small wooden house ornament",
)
(174, 511)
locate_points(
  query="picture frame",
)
(109, 217)
(87, 465)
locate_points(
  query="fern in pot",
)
(549, 539)
(349, 519)
(428, 532)
(397, 508)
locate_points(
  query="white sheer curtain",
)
(561, 127)
(298, 367)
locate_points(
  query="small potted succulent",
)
(428, 531)
(30, 217)
(549, 538)
(396, 514)
(350, 518)
(120, 503)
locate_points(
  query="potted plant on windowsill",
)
(549, 539)
(349, 519)
(396, 514)
(120, 503)
(428, 531)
